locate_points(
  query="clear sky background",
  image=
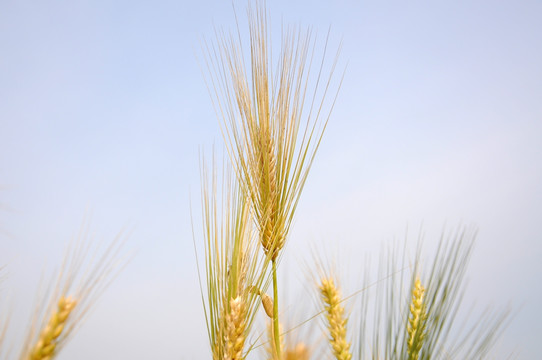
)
(103, 107)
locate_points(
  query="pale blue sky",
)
(103, 107)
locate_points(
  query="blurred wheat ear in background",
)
(418, 317)
(45, 347)
(87, 270)
(336, 319)
(417, 306)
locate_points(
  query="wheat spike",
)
(235, 330)
(233, 271)
(272, 237)
(416, 322)
(272, 119)
(336, 321)
(44, 349)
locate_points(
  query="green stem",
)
(276, 329)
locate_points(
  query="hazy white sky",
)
(103, 107)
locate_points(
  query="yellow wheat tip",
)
(46, 345)
(336, 321)
(418, 316)
(235, 330)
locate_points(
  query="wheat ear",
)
(233, 270)
(336, 321)
(44, 349)
(85, 273)
(416, 322)
(235, 330)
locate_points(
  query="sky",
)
(104, 115)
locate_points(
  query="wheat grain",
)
(267, 303)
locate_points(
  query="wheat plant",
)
(235, 280)
(270, 135)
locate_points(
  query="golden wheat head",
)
(44, 349)
(235, 329)
(272, 137)
(336, 320)
(83, 277)
(232, 267)
(416, 321)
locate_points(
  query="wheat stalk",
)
(271, 347)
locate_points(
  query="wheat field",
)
(275, 90)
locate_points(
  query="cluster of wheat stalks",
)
(273, 118)
(61, 307)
